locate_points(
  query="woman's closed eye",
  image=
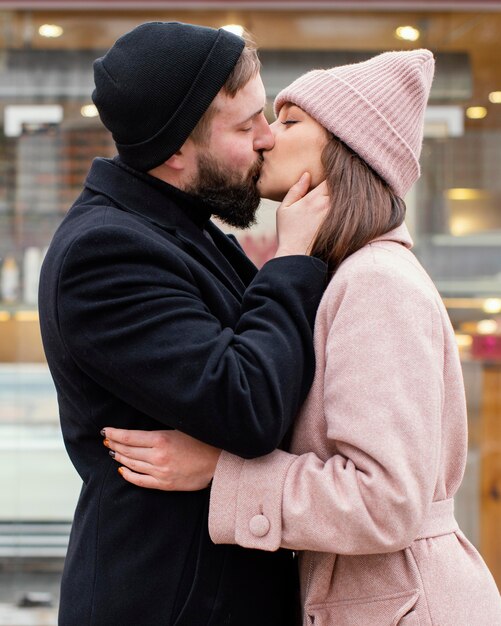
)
(286, 122)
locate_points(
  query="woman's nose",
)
(274, 127)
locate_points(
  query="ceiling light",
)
(236, 29)
(476, 113)
(487, 327)
(495, 97)
(492, 305)
(407, 33)
(460, 226)
(50, 30)
(463, 341)
(463, 193)
(89, 110)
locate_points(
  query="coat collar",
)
(398, 235)
(178, 213)
(144, 195)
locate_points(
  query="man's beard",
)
(233, 198)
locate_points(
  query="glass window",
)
(50, 134)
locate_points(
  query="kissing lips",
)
(255, 171)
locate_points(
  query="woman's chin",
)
(270, 193)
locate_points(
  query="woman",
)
(365, 491)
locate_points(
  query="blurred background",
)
(50, 132)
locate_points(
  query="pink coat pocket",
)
(390, 610)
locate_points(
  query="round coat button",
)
(259, 525)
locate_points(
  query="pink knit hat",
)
(375, 107)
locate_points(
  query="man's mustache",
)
(255, 170)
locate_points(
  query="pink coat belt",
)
(439, 521)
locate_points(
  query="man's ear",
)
(183, 160)
(177, 161)
(178, 168)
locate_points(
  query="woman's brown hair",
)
(363, 206)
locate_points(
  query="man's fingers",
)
(297, 191)
(141, 480)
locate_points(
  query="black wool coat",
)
(149, 323)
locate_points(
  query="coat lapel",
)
(223, 258)
(233, 253)
(201, 248)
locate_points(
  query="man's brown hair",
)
(247, 66)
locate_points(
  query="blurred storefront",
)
(50, 133)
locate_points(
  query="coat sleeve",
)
(383, 390)
(133, 319)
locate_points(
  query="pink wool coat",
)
(378, 452)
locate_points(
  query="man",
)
(152, 317)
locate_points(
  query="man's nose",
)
(264, 139)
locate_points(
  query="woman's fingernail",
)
(103, 433)
(106, 443)
(121, 471)
(112, 454)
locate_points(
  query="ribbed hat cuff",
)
(345, 112)
(220, 61)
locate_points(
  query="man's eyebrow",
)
(248, 119)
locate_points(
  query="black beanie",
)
(156, 82)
